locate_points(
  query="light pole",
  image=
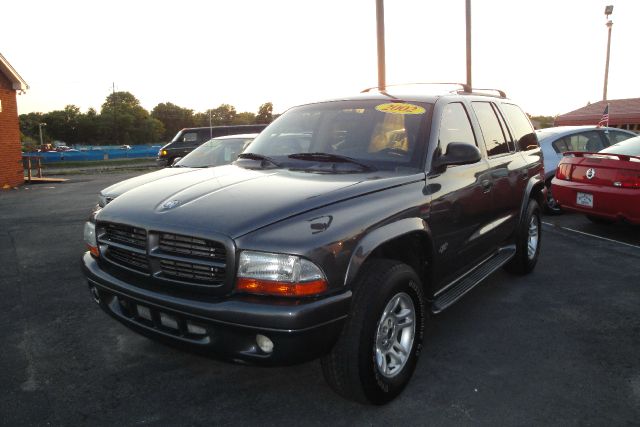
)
(468, 21)
(607, 11)
(40, 128)
(382, 78)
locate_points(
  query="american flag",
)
(604, 121)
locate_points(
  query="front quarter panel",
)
(328, 236)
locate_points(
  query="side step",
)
(456, 289)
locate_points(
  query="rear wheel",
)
(528, 241)
(551, 206)
(377, 351)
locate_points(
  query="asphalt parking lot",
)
(558, 347)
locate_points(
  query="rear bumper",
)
(300, 330)
(608, 202)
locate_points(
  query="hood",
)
(117, 189)
(234, 201)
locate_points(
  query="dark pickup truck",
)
(335, 234)
(187, 139)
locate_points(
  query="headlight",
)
(279, 274)
(90, 238)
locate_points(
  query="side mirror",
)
(458, 153)
(175, 160)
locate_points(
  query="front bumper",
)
(162, 161)
(300, 330)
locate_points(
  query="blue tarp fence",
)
(97, 153)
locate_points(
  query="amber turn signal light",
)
(284, 289)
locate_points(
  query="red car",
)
(605, 185)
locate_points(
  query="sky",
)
(549, 56)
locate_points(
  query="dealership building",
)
(623, 114)
(11, 169)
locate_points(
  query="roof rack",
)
(465, 88)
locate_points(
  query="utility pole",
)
(382, 83)
(468, 13)
(40, 128)
(607, 11)
(113, 99)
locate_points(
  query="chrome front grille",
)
(127, 258)
(191, 247)
(197, 273)
(170, 258)
(125, 235)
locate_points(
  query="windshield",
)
(346, 136)
(630, 147)
(215, 152)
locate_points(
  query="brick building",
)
(623, 114)
(11, 170)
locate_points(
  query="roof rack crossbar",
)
(465, 88)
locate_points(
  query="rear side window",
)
(495, 136)
(523, 132)
(189, 137)
(205, 135)
(584, 141)
(615, 136)
(455, 126)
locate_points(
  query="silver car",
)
(215, 152)
(557, 140)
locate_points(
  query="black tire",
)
(352, 368)
(551, 206)
(529, 232)
(599, 220)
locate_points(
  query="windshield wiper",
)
(264, 160)
(328, 157)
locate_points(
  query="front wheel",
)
(528, 239)
(377, 351)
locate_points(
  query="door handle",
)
(486, 185)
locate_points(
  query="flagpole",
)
(608, 10)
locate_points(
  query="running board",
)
(456, 290)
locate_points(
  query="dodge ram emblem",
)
(171, 204)
(591, 172)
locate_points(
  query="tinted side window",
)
(525, 136)
(614, 136)
(584, 141)
(455, 126)
(204, 135)
(494, 136)
(189, 137)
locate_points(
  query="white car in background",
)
(215, 152)
(557, 140)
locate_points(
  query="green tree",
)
(541, 122)
(173, 118)
(244, 118)
(265, 113)
(29, 125)
(124, 121)
(62, 125)
(89, 128)
(223, 115)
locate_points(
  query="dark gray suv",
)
(334, 235)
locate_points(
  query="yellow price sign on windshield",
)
(400, 108)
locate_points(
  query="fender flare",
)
(532, 184)
(379, 236)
